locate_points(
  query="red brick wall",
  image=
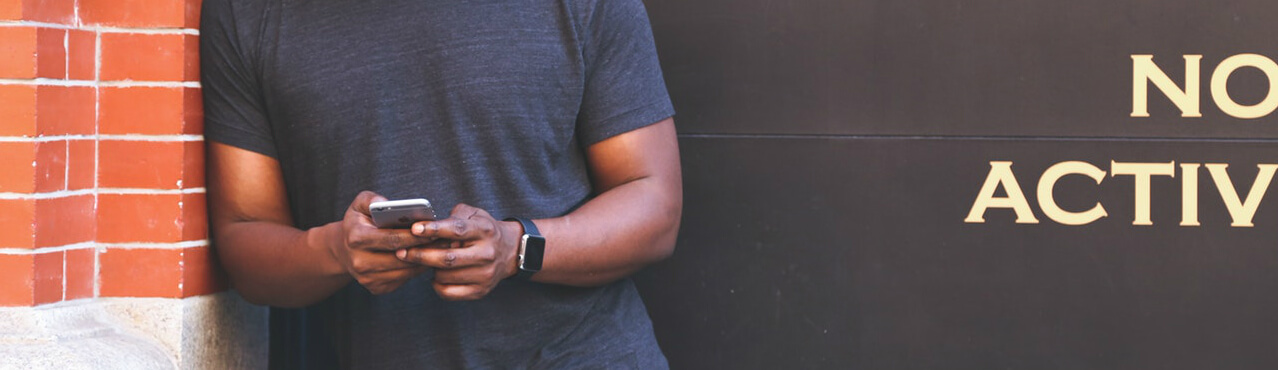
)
(101, 159)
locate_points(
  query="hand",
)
(368, 253)
(482, 254)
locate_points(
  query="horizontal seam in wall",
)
(107, 191)
(972, 138)
(149, 31)
(152, 137)
(41, 250)
(104, 246)
(172, 246)
(125, 137)
(87, 83)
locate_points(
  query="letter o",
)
(1220, 81)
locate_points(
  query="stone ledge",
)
(218, 331)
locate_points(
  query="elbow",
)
(664, 246)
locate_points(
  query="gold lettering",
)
(1220, 92)
(1189, 194)
(1047, 202)
(1001, 175)
(1241, 210)
(1143, 172)
(1144, 70)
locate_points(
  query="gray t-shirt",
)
(484, 102)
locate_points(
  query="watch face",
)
(534, 251)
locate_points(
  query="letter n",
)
(1144, 71)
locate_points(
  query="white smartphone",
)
(400, 214)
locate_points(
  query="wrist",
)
(512, 231)
(321, 240)
(530, 249)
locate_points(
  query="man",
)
(549, 111)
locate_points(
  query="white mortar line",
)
(96, 191)
(100, 247)
(145, 31)
(49, 195)
(173, 138)
(44, 139)
(43, 250)
(66, 53)
(150, 191)
(97, 137)
(44, 81)
(165, 246)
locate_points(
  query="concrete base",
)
(218, 331)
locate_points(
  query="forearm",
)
(278, 265)
(613, 235)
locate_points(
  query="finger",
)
(368, 263)
(467, 275)
(451, 292)
(449, 258)
(456, 228)
(371, 238)
(389, 281)
(361, 202)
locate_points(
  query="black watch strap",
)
(532, 249)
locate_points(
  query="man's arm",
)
(634, 219)
(632, 222)
(270, 261)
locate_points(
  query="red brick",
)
(134, 13)
(17, 113)
(17, 174)
(140, 164)
(17, 220)
(65, 110)
(51, 166)
(193, 13)
(141, 273)
(17, 279)
(52, 11)
(81, 164)
(51, 53)
(82, 54)
(48, 277)
(139, 218)
(191, 67)
(17, 52)
(10, 10)
(65, 220)
(195, 224)
(201, 273)
(80, 273)
(193, 111)
(141, 110)
(193, 165)
(148, 57)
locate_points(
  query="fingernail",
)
(402, 253)
(419, 228)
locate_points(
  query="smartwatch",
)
(532, 249)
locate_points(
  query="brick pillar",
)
(102, 209)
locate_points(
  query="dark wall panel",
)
(953, 67)
(853, 253)
(832, 150)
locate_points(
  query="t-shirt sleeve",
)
(624, 88)
(234, 110)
